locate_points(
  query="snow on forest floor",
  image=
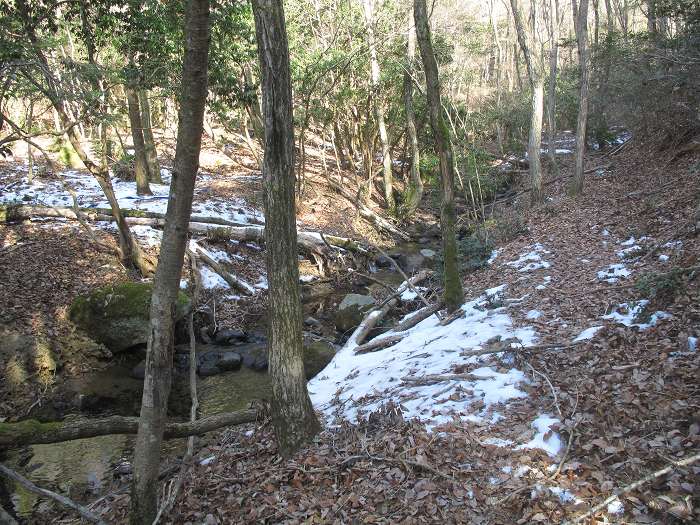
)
(55, 192)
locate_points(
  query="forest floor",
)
(603, 290)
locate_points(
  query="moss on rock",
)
(118, 315)
(317, 355)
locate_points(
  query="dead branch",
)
(634, 486)
(85, 513)
(439, 378)
(378, 313)
(379, 343)
(417, 317)
(233, 281)
(406, 279)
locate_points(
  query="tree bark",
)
(368, 8)
(414, 193)
(159, 355)
(33, 432)
(581, 27)
(527, 38)
(552, 86)
(140, 166)
(293, 416)
(148, 140)
(453, 291)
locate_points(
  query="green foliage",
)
(474, 251)
(429, 167)
(661, 287)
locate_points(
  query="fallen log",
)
(438, 378)
(311, 242)
(32, 432)
(234, 282)
(23, 212)
(378, 313)
(85, 513)
(417, 317)
(399, 332)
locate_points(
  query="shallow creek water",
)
(88, 468)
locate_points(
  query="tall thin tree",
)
(159, 355)
(414, 193)
(453, 292)
(368, 8)
(293, 416)
(580, 13)
(528, 38)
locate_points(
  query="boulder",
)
(118, 316)
(317, 355)
(216, 362)
(254, 356)
(351, 310)
(229, 336)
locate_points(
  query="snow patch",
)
(612, 272)
(588, 333)
(546, 439)
(353, 386)
(627, 313)
(532, 260)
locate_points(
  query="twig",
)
(551, 387)
(85, 513)
(634, 486)
(438, 378)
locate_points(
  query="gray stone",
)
(230, 361)
(229, 336)
(351, 310)
(428, 253)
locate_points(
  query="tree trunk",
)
(535, 141)
(148, 140)
(159, 355)
(527, 37)
(368, 7)
(140, 165)
(414, 193)
(581, 26)
(293, 416)
(552, 86)
(453, 292)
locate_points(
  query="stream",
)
(85, 469)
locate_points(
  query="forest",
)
(349, 261)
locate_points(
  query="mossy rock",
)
(317, 355)
(118, 316)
